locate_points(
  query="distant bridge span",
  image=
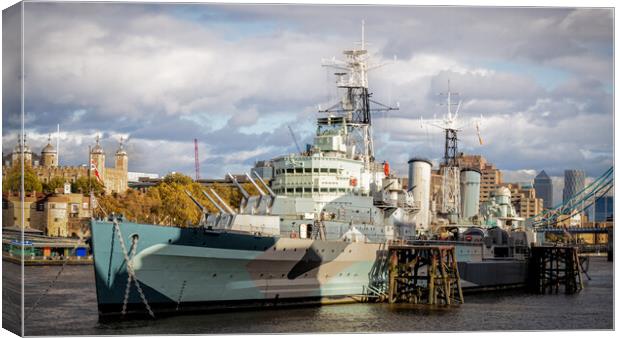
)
(574, 230)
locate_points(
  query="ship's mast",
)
(451, 129)
(450, 196)
(450, 192)
(354, 105)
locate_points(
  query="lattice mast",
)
(354, 105)
(450, 196)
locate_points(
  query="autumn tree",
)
(85, 184)
(12, 181)
(168, 202)
(53, 184)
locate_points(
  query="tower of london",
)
(46, 165)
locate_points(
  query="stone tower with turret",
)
(49, 155)
(121, 157)
(18, 151)
(97, 157)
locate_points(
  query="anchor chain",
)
(131, 274)
(181, 295)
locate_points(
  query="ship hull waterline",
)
(195, 269)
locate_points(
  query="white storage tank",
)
(470, 193)
(420, 185)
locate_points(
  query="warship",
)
(316, 233)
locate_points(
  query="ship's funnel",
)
(470, 193)
(420, 186)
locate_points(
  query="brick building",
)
(60, 215)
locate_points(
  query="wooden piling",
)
(423, 275)
(552, 268)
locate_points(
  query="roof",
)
(49, 148)
(420, 159)
(97, 149)
(543, 175)
(121, 150)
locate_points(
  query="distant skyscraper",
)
(602, 210)
(574, 182)
(544, 189)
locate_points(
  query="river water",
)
(70, 309)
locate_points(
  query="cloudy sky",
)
(234, 77)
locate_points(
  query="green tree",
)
(53, 184)
(12, 181)
(84, 184)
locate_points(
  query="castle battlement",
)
(46, 165)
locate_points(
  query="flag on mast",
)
(95, 171)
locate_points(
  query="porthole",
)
(214, 275)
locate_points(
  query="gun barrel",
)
(264, 184)
(200, 206)
(228, 209)
(213, 202)
(260, 191)
(236, 183)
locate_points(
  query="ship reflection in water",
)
(71, 309)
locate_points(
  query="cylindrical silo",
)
(470, 193)
(420, 185)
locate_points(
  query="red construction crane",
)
(196, 160)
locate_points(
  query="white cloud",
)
(227, 75)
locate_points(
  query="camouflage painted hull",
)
(191, 269)
(182, 269)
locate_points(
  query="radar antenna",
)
(355, 104)
(450, 197)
